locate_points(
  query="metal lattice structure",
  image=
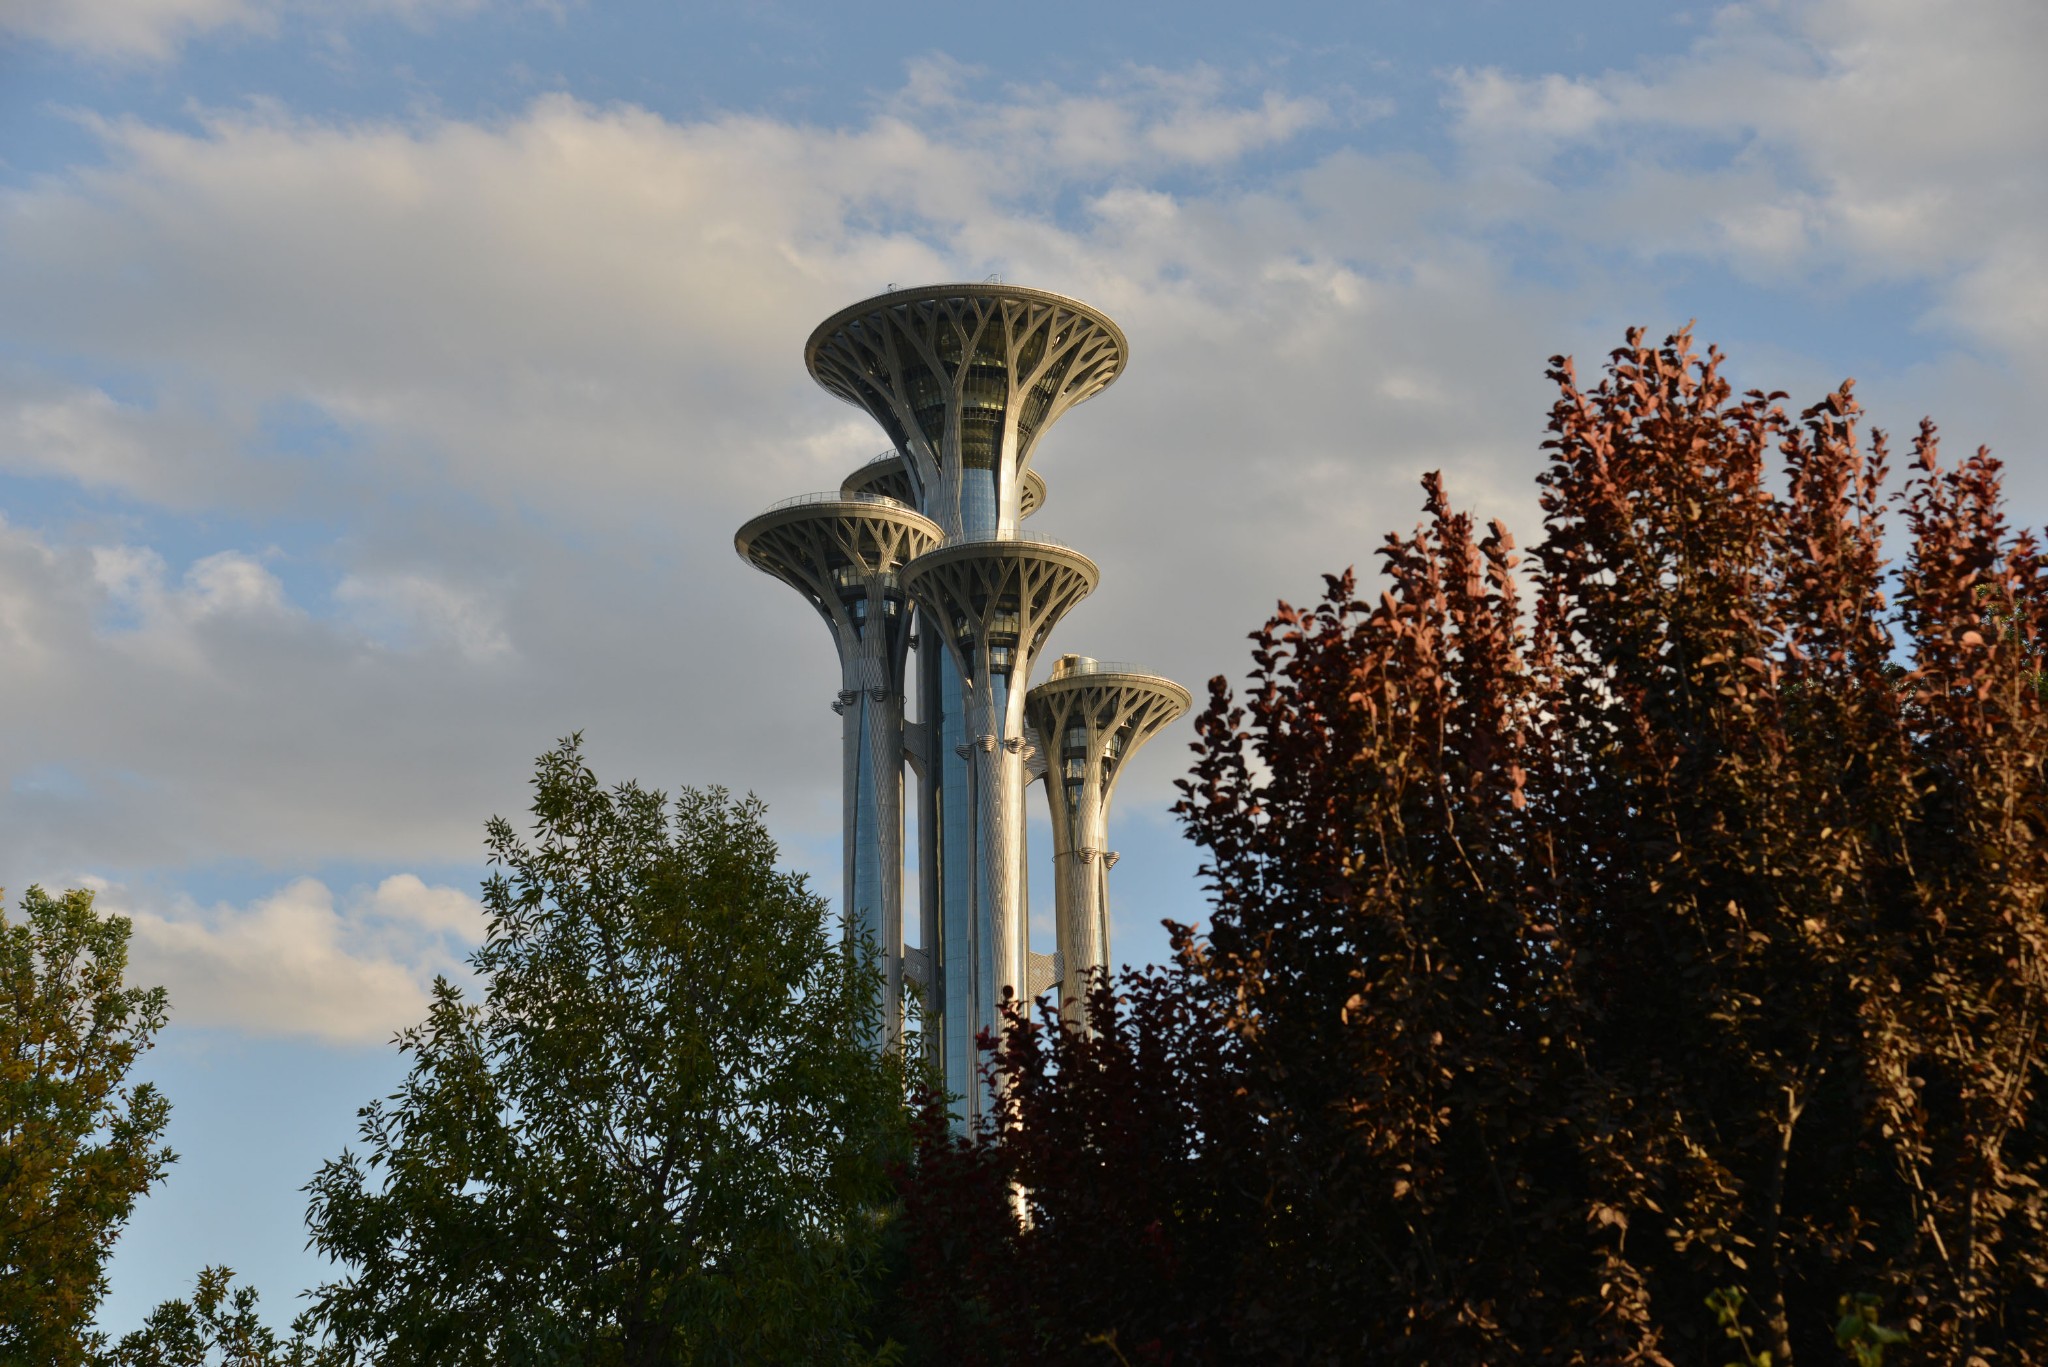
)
(1090, 717)
(966, 380)
(845, 555)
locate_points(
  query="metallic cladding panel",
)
(954, 849)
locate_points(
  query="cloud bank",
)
(300, 961)
(480, 403)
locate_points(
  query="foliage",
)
(1860, 1335)
(78, 1144)
(1683, 930)
(218, 1327)
(659, 1137)
(1134, 1129)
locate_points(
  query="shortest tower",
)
(1090, 716)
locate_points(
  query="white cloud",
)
(1538, 112)
(404, 899)
(80, 434)
(562, 349)
(409, 610)
(1883, 139)
(133, 31)
(128, 30)
(299, 962)
(201, 713)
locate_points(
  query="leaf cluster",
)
(218, 1327)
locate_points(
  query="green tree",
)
(658, 1136)
(218, 1327)
(78, 1144)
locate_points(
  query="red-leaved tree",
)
(1668, 931)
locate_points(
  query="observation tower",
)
(1091, 716)
(845, 554)
(965, 380)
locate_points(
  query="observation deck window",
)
(986, 387)
(1033, 347)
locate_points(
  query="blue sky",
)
(381, 383)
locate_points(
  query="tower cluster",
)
(921, 551)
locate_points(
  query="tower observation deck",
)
(966, 380)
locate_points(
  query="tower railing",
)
(1083, 667)
(835, 496)
(1017, 535)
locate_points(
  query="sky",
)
(381, 384)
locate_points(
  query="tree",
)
(78, 1142)
(1679, 939)
(218, 1327)
(1129, 1142)
(658, 1137)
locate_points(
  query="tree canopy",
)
(78, 1142)
(218, 1327)
(658, 1136)
(1608, 954)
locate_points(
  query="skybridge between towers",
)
(920, 550)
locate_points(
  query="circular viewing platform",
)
(865, 527)
(1076, 673)
(1009, 545)
(1030, 305)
